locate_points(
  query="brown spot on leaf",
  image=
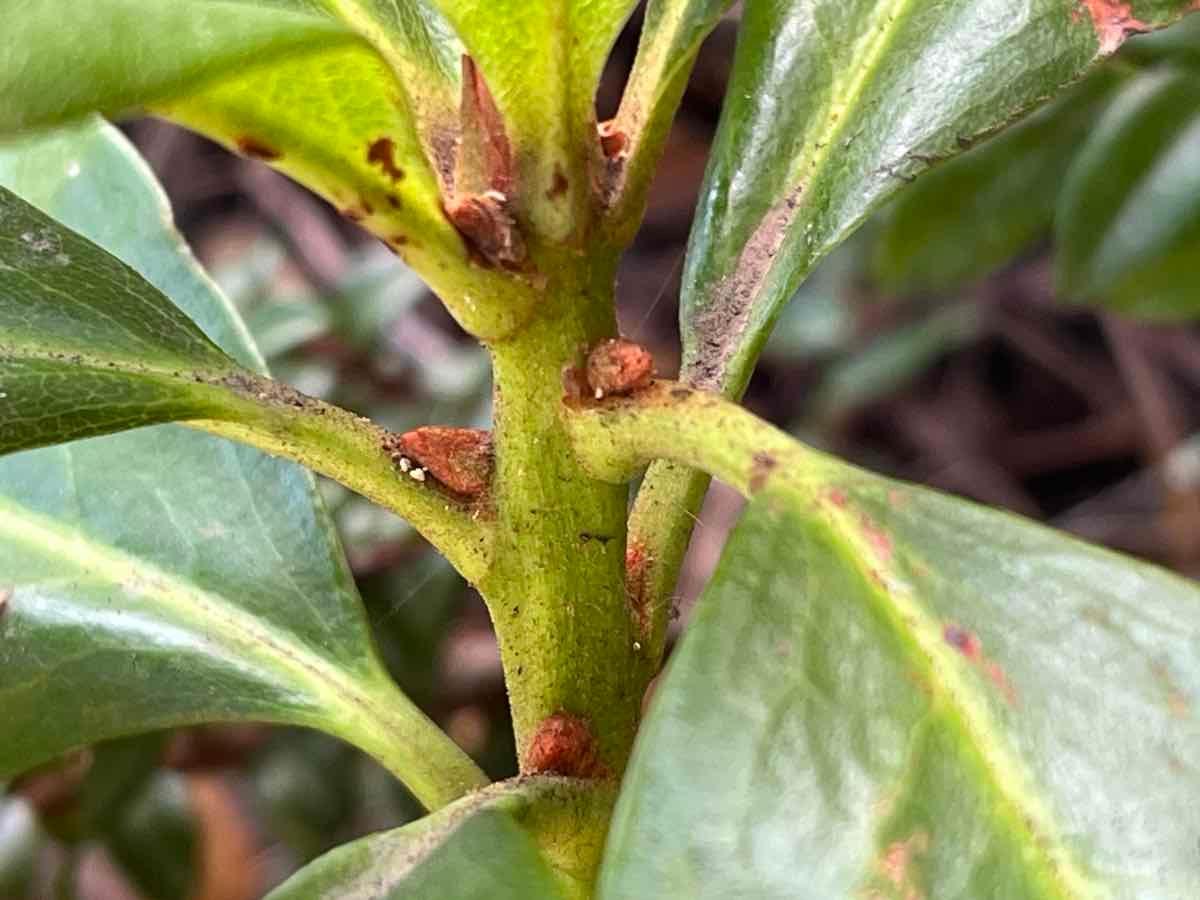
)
(253, 148)
(488, 228)
(964, 641)
(459, 458)
(971, 647)
(879, 539)
(618, 366)
(354, 214)
(5, 596)
(382, 154)
(1177, 703)
(1113, 21)
(1000, 679)
(897, 865)
(760, 471)
(563, 745)
(725, 313)
(837, 497)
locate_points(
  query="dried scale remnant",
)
(613, 141)
(458, 458)
(614, 147)
(489, 229)
(619, 366)
(563, 745)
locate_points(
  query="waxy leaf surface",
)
(834, 105)
(889, 693)
(162, 577)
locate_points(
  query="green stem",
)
(556, 590)
(384, 723)
(349, 449)
(616, 437)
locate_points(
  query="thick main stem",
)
(556, 589)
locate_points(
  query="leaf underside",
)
(889, 693)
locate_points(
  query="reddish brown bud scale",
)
(563, 745)
(619, 366)
(459, 458)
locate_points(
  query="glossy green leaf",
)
(165, 577)
(836, 105)
(965, 218)
(356, 99)
(62, 60)
(89, 347)
(889, 693)
(508, 842)
(1128, 226)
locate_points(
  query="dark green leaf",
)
(975, 213)
(165, 577)
(836, 105)
(527, 840)
(889, 693)
(1128, 226)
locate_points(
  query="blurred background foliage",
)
(1014, 329)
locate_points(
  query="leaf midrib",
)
(186, 372)
(194, 606)
(963, 701)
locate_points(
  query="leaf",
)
(355, 99)
(91, 348)
(889, 693)
(833, 107)
(87, 349)
(486, 846)
(165, 577)
(965, 218)
(1128, 226)
(62, 60)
